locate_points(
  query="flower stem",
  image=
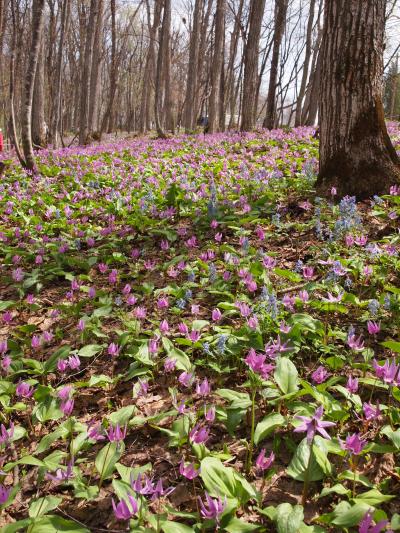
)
(253, 420)
(307, 475)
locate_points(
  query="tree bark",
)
(39, 129)
(26, 133)
(251, 51)
(149, 70)
(356, 154)
(217, 61)
(56, 114)
(159, 85)
(307, 57)
(191, 84)
(279, 27)
(168, 103)
(85, 80)
(95, 71)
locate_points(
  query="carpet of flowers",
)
(191, 340)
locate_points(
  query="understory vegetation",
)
(191, 340)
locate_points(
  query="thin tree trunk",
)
(251, 52)
(213, 121)
(13, 128)
(39, 133)
(159, 85)
(356, 154)
(26, 133)
(191, 84)
(95, 71)
(300, 97)
(56, 114)
(168, 103)
(280, 20)
(85, 81)
(149, 70)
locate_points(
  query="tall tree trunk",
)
(159, 84)
(230, 71)
(56, 114)
(168, 103)
(191, 83)
(107, 123)
(85, 81)
(95, 70)
(199, 100)
(307, 56)
(39, 128)
(216, 66)
(311, 100)
(356, 155)
(279, 27)
(149, 70)
(251, 51)
(26, 133)
(12, 124)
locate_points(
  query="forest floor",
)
(169, 309)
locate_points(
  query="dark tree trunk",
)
(85, 81)
(95, 71)
(356, 155)
(158, 97)
(251, 51)
(191, 84)
(26, 133)
(39, 127)
(217, 61)
(279, 27)
(302, 91)
(56, 114)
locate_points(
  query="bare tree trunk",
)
(26, 133)
(56, 114)
(356, 154)
(300, 97)
(199, 100)
(168, 103)
(280, 20)
(216, 66)
(95, 70)
(13, 128)
(39, 133)
(230, 71)
(191, 84)
(85, 81)
(149, 71)
(159, 85)
(251, 51)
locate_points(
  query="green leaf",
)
(90, 350)
(287, 274)
(48, 440)
(220, 480)
(336, 489)
(239, 400)
(373, 497)
(175, 527)
(122, 416)
(351, 517)
(107, 458)
(289, 518)
(42, 506)
(286, 375)
(392, 345)
(56, 524)
(299, 463)
(267, 426)
(235, 525)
